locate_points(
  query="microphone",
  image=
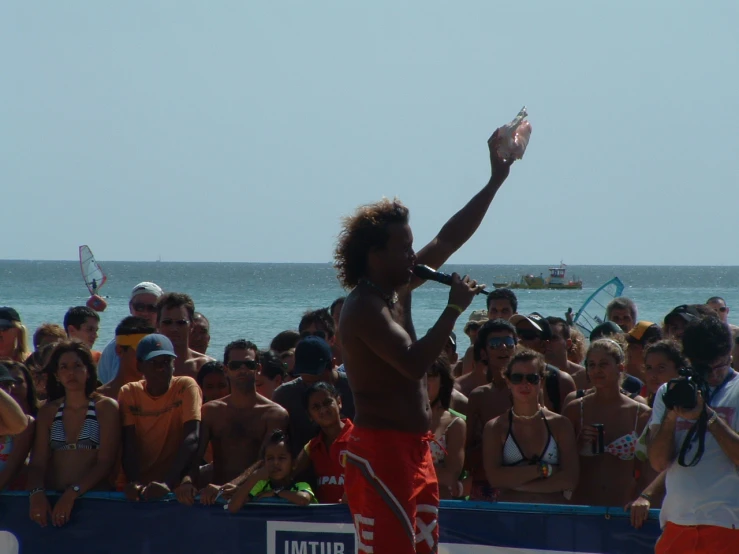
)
(428, 274)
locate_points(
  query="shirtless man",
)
(387, 366)
(175, 312)
(501, 304)
(236, 427)
(494, 347)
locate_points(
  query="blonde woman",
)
(607, 424)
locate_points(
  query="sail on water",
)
(92, 273)
(593, 310)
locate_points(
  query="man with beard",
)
(236, 427)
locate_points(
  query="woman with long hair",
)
(449, 430)
(14, 449)
(77, 435)
(529, 452)
(13, 336)
(608, 425)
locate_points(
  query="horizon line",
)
(331, 263)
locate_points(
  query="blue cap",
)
(152, 346)
(313, 356)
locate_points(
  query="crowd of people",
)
(527, 412)
(353, 407)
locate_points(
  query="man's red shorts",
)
(392, 491)
(697, 539)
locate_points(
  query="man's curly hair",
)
(364, 230)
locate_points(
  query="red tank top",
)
(327, 464)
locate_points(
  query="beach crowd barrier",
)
(105, 522)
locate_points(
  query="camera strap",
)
(697, 430)
(700, 428)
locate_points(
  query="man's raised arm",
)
(462, 225)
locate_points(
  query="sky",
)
(243, 131)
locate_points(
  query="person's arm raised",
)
(12, 419)
(462, 225)
(389, 341)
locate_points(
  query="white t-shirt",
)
(708, 493)
(108, 364)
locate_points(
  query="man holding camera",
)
(693, 437)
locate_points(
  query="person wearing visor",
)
(130, 331)
(642, 335)
(161, 422)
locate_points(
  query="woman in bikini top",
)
(607, 478)
(449, 430)
(529, 453)
(77, 436)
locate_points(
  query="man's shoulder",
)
(184, 381)
(289, 390)
(131, 388)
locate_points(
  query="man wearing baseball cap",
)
(142, 303)
(643, 334)
(313, 363)
(161, 422)
(535, 332)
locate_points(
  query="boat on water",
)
(557, 281)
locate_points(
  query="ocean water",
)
(256, 301)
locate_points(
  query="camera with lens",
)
(682, 392)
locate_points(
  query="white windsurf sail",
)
(593, 311)
(92, 273)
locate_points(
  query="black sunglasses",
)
(518, 378)
(319, 334)
(141, 307)
(178, 322)
(527, 334)
(498, 342)
(236, 365)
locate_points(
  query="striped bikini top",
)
(89, 437)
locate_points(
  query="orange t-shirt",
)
(159, 422)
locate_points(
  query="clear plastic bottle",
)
(513, 137)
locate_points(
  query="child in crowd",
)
(323, 453)
(272, 477)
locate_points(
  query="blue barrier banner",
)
(105, 523)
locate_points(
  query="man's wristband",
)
(458, 309)
(712, 419)
(646, 496)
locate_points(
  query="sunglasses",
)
(518, 378)
(527, 334)
(723, 309)
(500, 342)
(319, 334)
(178, 322)
(236, 365)
(141, 307)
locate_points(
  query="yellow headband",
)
(129, 340)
